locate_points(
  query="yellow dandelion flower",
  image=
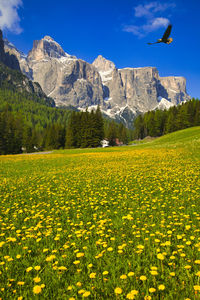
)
(79, 283)
(152, 290)
(143, 278)
(76, 262)
(197, 261)
(161, 287)
(154, 273)
(92, 275)
(81, 292)
(62, 268)
(20, 282)
(80, 254)
(187, 267)
(36, 279)
(37, 268)
(50, 258)
(124, 276)
(29, 269)
(196, 287)
(18, 256)
(172, 257)
(118, 290)
(130, 274)
(86, 294)
(110, 249)
(134, 292)
(172, 274)
(198, 273)
(105, 272)
(130, 296)
(160, 256)
(37, 289)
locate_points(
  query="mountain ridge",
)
(121, 93)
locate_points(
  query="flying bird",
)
(165, 39)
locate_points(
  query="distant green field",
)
(113, 223)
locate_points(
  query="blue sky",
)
(117, 29)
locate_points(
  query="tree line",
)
(19, 133)
(160, 122)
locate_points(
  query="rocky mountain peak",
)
(46, 48)
(102, 64)
(105, 68)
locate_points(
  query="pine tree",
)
(112, 134)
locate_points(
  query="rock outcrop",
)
(12, 78)
(70, 81)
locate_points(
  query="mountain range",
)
(121, 93)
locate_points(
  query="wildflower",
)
(123, 276)
(37, 289)
(105, 272)
(50, 258)
(152, 290)
(62, 268)
(79, 284)
(160, 256)
(197, 261)
(92, 275)
(196, 287)
(20, 282)
(80, 254)
(187, 267)
(161, 287)
(118, 290)
(110, 249)
(130, 274)
(143, 278)
(37, 268)
(130, 296)
(29, 269)
(37, 279)
(86, 294)
(154, 273)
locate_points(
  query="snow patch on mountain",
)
(163, 103)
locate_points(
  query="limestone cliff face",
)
(174, 88)
(140, 89)
(70, 81)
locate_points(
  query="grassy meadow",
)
(115, 223)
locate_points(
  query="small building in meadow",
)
(105, 143)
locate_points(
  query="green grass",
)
(102, 223)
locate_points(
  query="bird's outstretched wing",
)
(167, 32)
(153, 43)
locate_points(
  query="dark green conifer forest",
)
(28, 123)
(159, 122)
